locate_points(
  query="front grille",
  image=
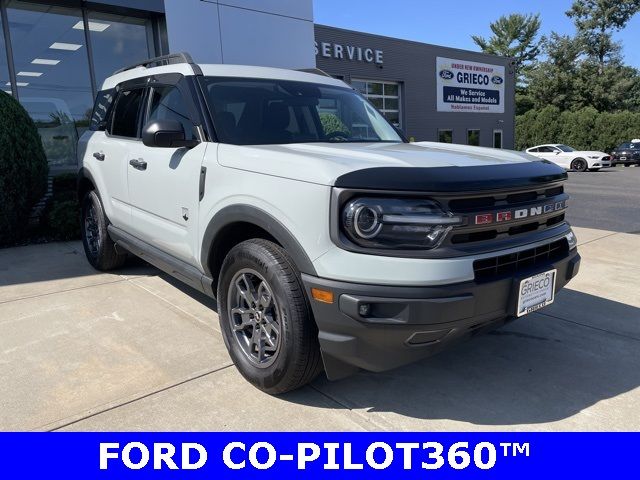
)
(464, 205)
(493, 268)
(470, 206)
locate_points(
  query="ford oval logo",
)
(497, 80)
(446, 74)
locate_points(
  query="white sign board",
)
(465, 86)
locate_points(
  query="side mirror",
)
(166, 134)
(557, 153)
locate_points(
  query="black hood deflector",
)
(454, 179)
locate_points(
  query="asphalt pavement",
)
(608, 199)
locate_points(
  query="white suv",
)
(327, 239)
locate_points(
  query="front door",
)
(164, 183)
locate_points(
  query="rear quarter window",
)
(101, 109)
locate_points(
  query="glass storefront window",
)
(52, 75)
(385, 96)
(117, 42)
(52, 66)
(473, 138)
(5, 81)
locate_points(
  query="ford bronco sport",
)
(328, 240)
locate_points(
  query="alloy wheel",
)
(92, 230)
(255, 317)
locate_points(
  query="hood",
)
(324, 163)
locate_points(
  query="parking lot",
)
(135, 350)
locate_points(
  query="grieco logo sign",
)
(349, 52)
(465, 86)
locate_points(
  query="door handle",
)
(99, 156)
(138, 164)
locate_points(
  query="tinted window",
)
(257, 111)
(546, 150)
(473, 138)
(101, 108)
(168, 103)
(445, 136)
(565, 148)
(624, 146)
(635, 146)
(125, 115)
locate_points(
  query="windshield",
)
(564, 148)
(263, 111)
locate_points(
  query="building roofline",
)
(415, 42)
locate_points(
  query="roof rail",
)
(171, 59)
(315, 71)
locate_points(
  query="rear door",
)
(164, 183)
(109, 151)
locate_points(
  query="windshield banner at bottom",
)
(272, 456)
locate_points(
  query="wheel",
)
(627, 164)
(98, 246)
(579, 165)
(266, 319)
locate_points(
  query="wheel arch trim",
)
(242, 213)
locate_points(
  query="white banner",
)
(465, 86)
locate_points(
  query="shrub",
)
(23, 169)
(585, 129)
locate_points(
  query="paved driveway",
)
(80, 350)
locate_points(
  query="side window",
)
(533, 150)
(124, 122)
(101, 109)
(167, 103)
(635, 146)
(546, 150)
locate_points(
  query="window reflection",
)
(52, 67)
(117, 42)
(52, 75)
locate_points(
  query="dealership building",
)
(55, 54)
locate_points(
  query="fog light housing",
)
(364, 309)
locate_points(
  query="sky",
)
(451, 23)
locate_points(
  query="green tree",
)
(514, 36)
(596, 20)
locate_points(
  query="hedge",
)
(23, 169)
(585, 129)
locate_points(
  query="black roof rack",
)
(171, 59)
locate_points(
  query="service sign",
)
(465, 86)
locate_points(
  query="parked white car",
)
(571, 159)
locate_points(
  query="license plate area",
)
(536, 291)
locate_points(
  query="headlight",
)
(595, 157)
(396, 223)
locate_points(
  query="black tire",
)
(98, 246)
(579, 165)
(295, 360)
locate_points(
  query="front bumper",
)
(405, 324)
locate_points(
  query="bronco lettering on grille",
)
(520, 213)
